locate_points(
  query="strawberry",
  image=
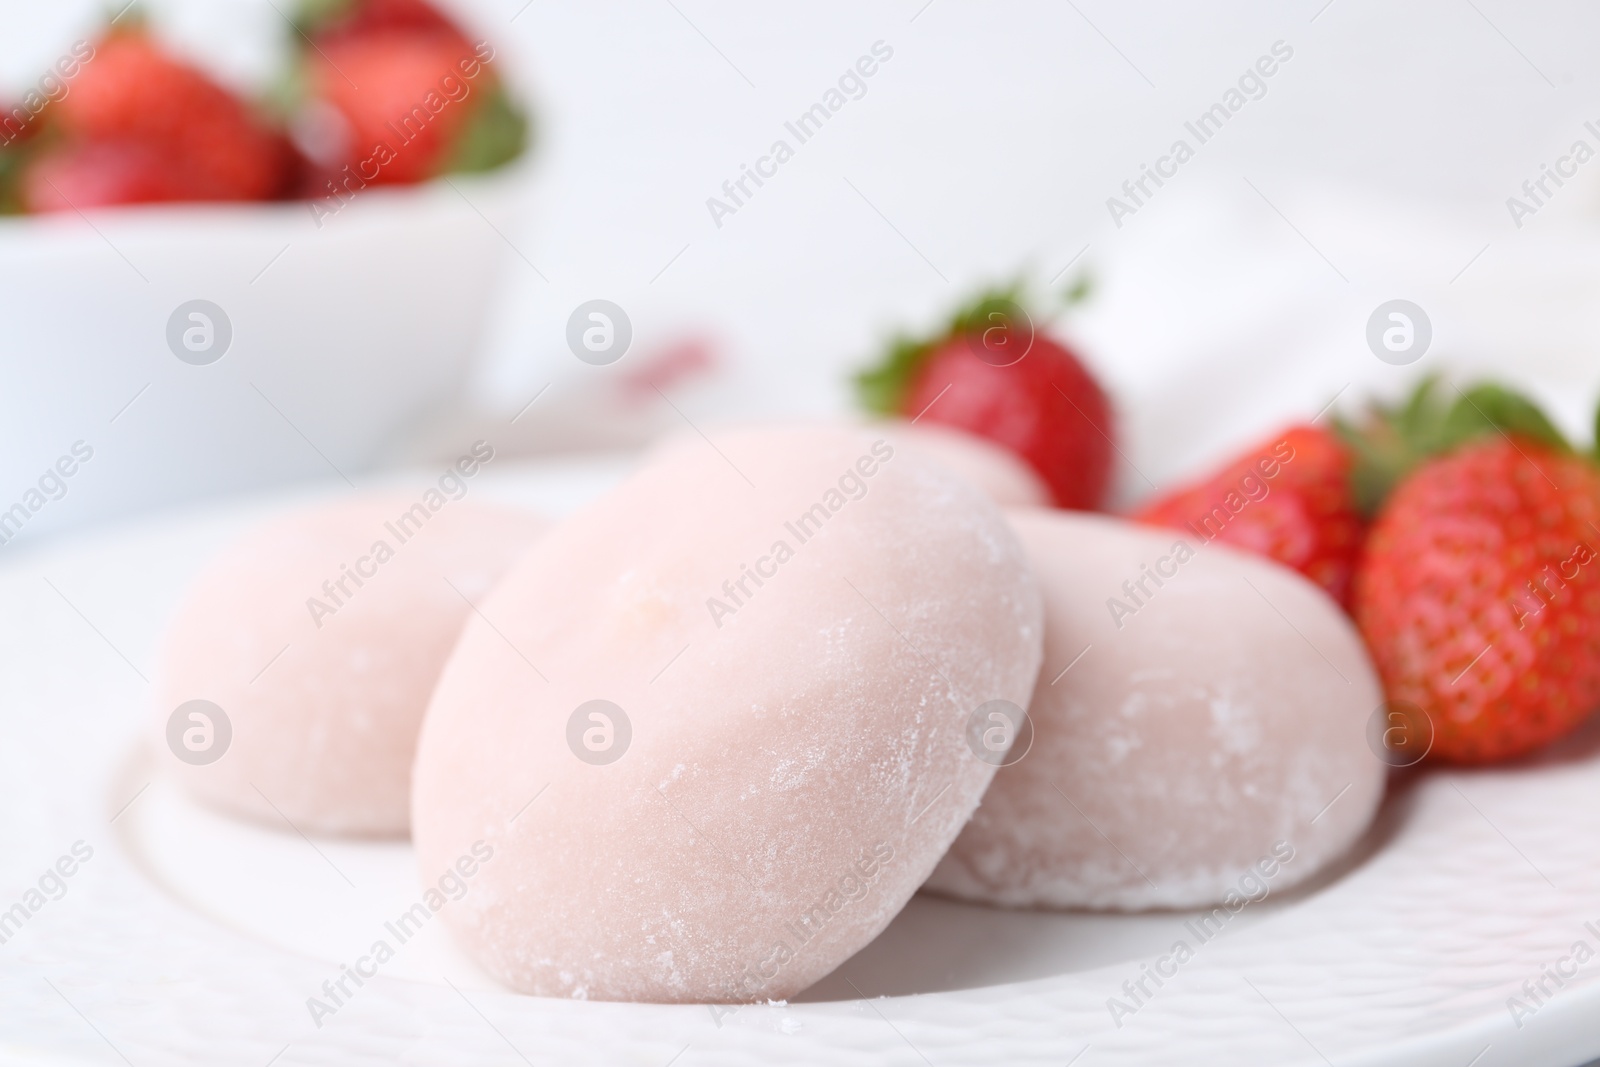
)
(1479, 589)
(165, 130)
(99, 174)
(17, 124)
(1480, 596)
(378, 83)
(1288, 498)
(989, 373)
(328, 21)
(414, 97)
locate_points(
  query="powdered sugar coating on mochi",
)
(797, 762)
(1213, 716)
(320, 635)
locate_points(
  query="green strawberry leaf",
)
(1080, 290)
(881, 389)
(1389, 441)
(1486, 408)
(1392, 440)
(131, 18)
(312, 16)
(286, 93)
(11, 160)
(1595, 452)
(497, 133)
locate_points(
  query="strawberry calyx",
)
(312, 17)
(881, 389)
(1391, 440)
(497, 133)
(11, 161)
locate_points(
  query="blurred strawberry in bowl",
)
(140, 126)
(345, 335)
(385, 92)
(393, 92)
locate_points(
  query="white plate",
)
(189, 938)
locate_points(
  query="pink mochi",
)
(792, 628)
(1211, 720)
(1003, 476)
(324, 685)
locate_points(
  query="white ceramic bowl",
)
(342, 333)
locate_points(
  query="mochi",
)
(1001, 474)
(1198, 729)
(712, 729)
(319, 636)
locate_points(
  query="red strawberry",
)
(390, 88)
(356, 18)
(414, 97)
(1479, 595)
(1289, 499)
(981, 374)
(97, 175)
(17, 124)
(181, 135)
